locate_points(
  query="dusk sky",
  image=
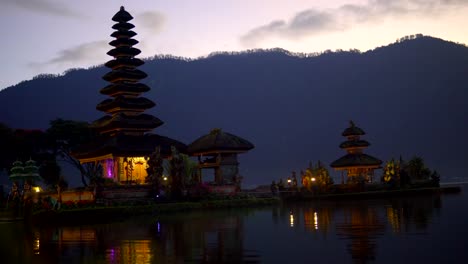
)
(50, 36)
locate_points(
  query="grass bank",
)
(99, 213)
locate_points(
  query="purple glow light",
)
(109, 166)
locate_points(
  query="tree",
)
(50, 172)
(7, 150)
(318, 176)
(176, 172)
(323, 175)
(417, 170)
(21, 144)
(67, 135)
(155, 171)
(190, 168)
(435, 178)
(392, 173)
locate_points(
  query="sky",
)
(51, 36)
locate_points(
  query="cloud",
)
(43, 6)
(152, 21)
(84, 54)
(313, 21)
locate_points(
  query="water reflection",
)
(348, 231)
(361, 226)
(362, 223)
(194, 238)
(130, 251)
(411, 214)
(317, 219)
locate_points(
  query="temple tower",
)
(125, 110)
(359, 166)
(125, 142)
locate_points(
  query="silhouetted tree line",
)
(47, 148)
(21, 144)
(409, 37)
(250, 52)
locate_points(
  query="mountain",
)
(410, 97)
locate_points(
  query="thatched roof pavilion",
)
(218, 141)
(220, 149)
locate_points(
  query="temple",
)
(27, 172)
(124, 144)
(359, 166)
(218, 150)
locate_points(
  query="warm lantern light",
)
(313, 179)
(315, 220)
(37, 189)
(37, 243)
(37, 246)
(291, 220)
(289, 180)
(165, 178)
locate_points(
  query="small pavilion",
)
(27, 173)
(24, 178)
(218, 150)
(358, 166)
(125, 142)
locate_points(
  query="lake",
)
(421, 229)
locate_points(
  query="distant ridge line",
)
(243, 52)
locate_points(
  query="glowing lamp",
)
(37, 189)
(313, 179)
(289, 180)
(165, 178)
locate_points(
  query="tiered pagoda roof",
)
(127, 145)
(125, 109)
(355, 146)
(26, 171)
(17, 171)
(124, 130)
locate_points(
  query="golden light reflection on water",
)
(130, 251)
(361, 223)
(315, 220)
(37, 243)
(309, 220)
(393, 217)
(77, 234)
(217, 239)
(361, 226)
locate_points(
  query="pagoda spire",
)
(357, 164)
(124, 110)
